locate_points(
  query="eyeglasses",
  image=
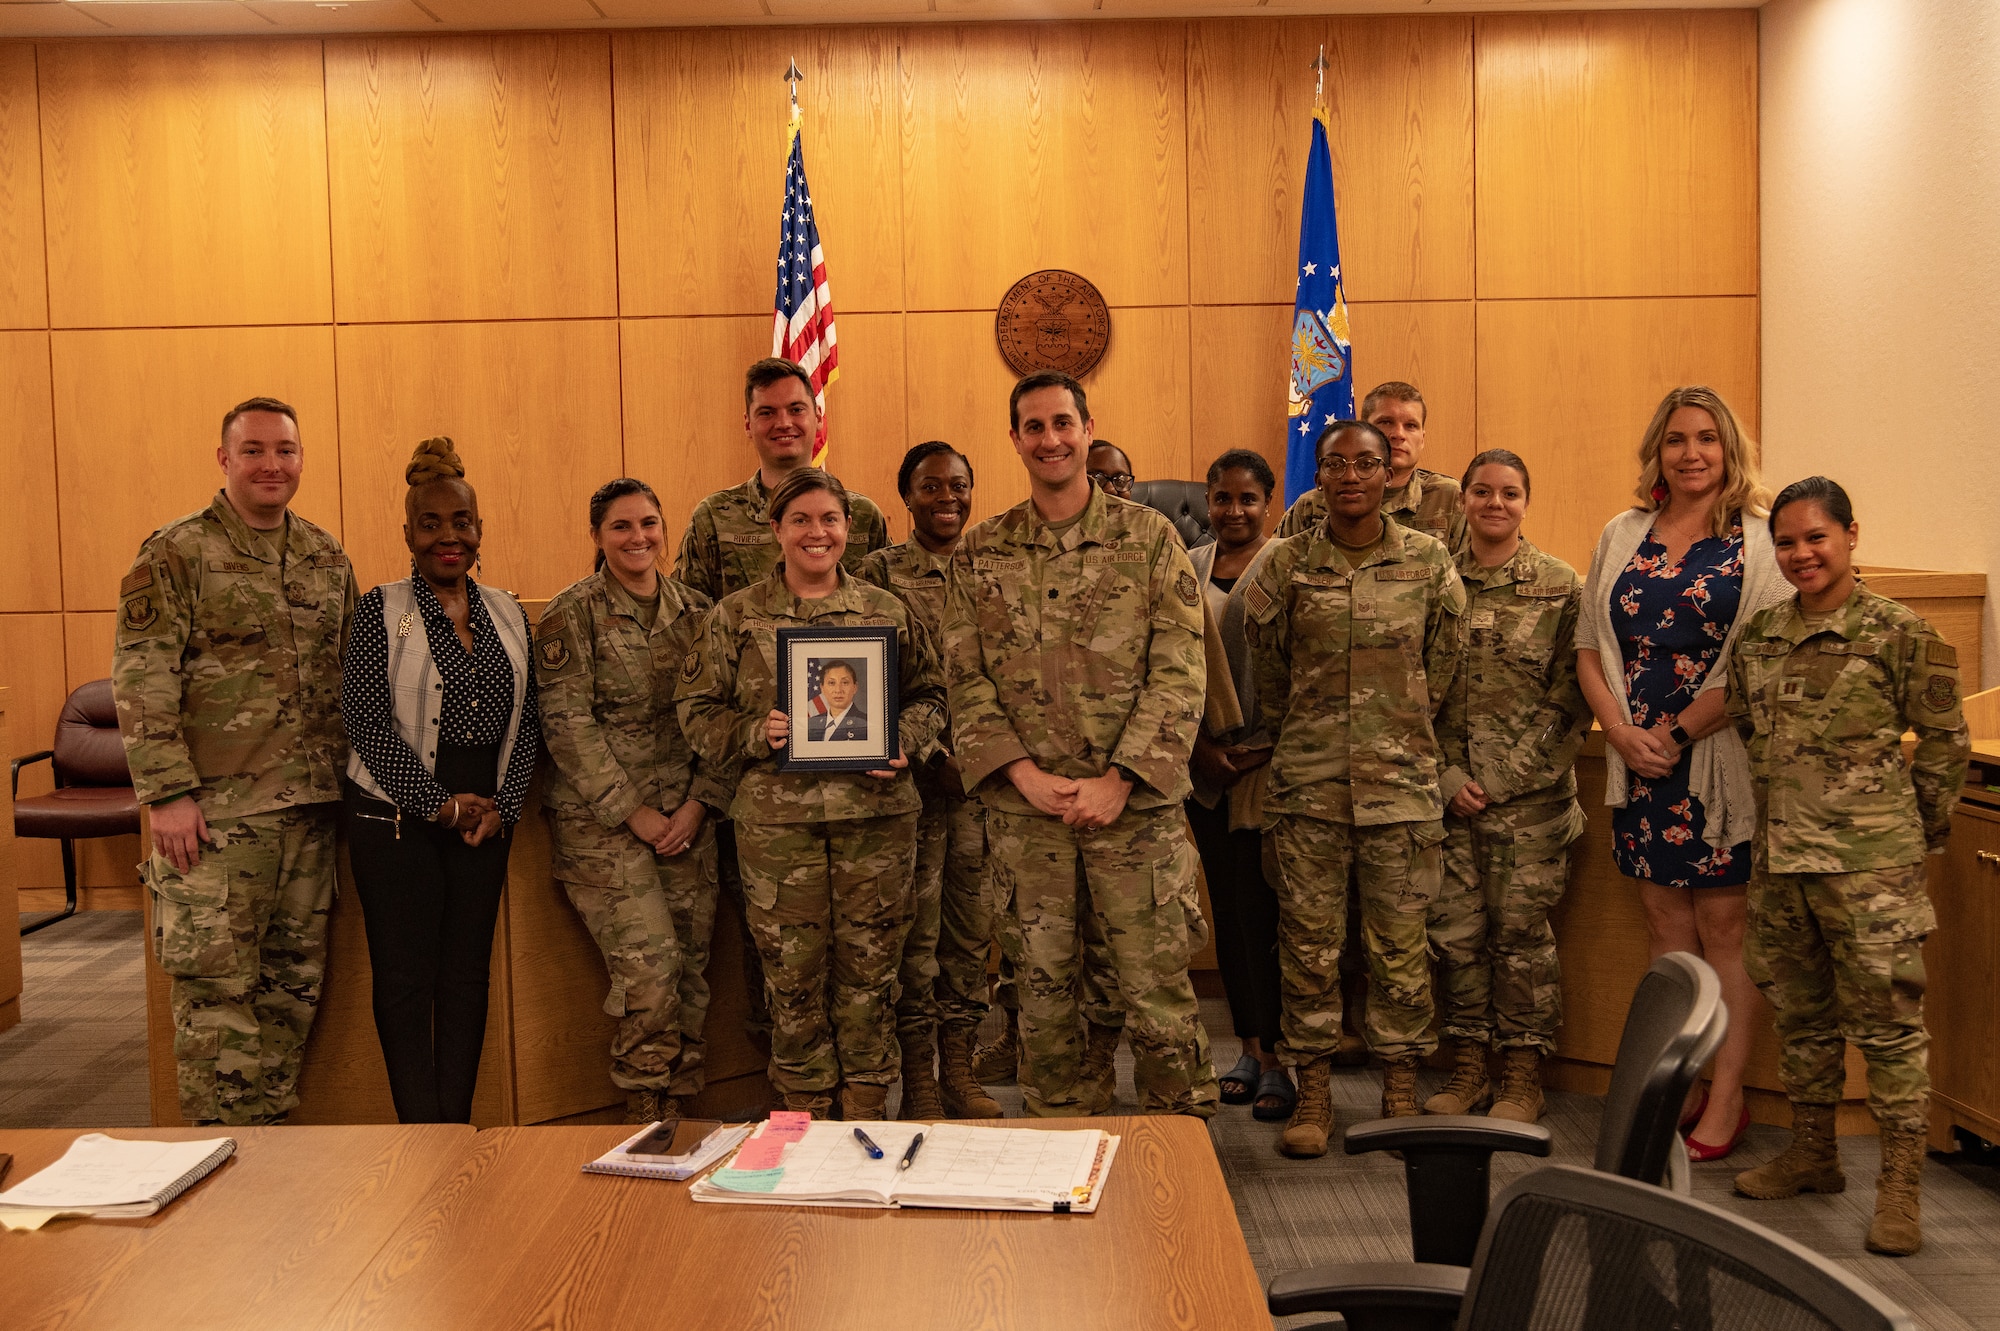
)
(1337, 466)
(1113, 480)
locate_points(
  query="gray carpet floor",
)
(78, 1059)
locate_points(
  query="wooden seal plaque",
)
(1053, 320)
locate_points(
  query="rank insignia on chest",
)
(553, 652)
(1791, 690)
(1482, 619)
(1940, 693)
(1184, 586)
(300, 597)
(140, 612)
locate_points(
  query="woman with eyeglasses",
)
(1355, 633)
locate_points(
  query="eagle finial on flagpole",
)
(1319, 77)
(792, 76)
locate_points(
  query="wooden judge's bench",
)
(547, 1037)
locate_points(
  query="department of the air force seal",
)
(1053, 320)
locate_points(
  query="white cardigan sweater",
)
(1719, 767)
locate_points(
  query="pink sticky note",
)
(760, 1153)
(788, 1124)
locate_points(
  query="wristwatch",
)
(1679, 735)
(1129, 775)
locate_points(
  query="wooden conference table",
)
(424, 1227)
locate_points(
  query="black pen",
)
(910, 1155)
(874, 1151)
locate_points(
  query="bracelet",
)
(454, 812)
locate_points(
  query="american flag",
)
(802, 326)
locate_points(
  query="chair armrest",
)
(25, 760)
(1345, 1287)
(1454, 1132)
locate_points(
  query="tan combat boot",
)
(960, 1093)
(999, 1063)
(921, 1101)
(1312, 1117)
(1399, 1087)
(863, 1104)
(649, 1104)
(1469, 1088)
(1810, 1164)
(1897, 1231)
(1097, 1077)
(817, 1103)
(1520, 1097)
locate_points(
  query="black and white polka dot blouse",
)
(478, 697)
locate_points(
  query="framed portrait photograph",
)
(839, 687)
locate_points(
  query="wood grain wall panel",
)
(958, 389)
(866, 407)
(31, 669)
(1618, 154)
(186, 183)
(1240, 356)
(1571, 384)
(533, 408)
(702, 108)
(23, 284)
(472, 177)
(683, 403)
(1029, 146)
(1399, 93)
(30, 554)
(138, 414)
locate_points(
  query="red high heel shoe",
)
(1699, 1150)
(1693, 1116)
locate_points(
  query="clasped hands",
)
(778, 729)
(1649, 752)
(1091, 801)
(667, 833)
(473, 817)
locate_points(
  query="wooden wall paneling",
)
(958, 389)
(1399, 94)
(683, 407)
(1240, 361)
(533, 408)
(31, 669)
(1571, 384)
(10, 940)
(701, 117)
(186, 183)
(1618, 154)
(866, 434)
(23, 281)
(472, 177)
(30, 554)
(138, 414)
(109, 862)
(1029, 146)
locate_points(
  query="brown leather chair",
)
(93, 795)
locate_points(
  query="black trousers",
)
(1246, 920)
(429, 903)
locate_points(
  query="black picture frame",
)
(805, 655)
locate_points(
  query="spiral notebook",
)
(697, 1144)
(113, 1178)
(957, 1167)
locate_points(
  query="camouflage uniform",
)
(1838, 907)
(1429, 504)
(1081, 650)
(607, 683)
(826, 857)
(1513, 720)
(1350, 665)
(728, 546)
(227, 674)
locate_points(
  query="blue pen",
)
(874, 1151)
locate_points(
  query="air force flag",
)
(1322, 387)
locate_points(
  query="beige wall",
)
(1880, 126)
(558, 249)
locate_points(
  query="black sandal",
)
(1244, 1074)
(1275, 1085)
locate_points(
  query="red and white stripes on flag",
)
(802, 326)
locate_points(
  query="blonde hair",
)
(434, 460)
(1744, 494)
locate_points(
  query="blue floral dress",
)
(1671, 620)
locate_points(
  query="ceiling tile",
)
(345, 15)
(463, 14)
(46, 20)
(194, 16)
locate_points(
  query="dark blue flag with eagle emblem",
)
(1322, 386)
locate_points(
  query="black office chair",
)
(93, 796)
(1676, 1023)
(1184, 502)
(1571, 1249)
